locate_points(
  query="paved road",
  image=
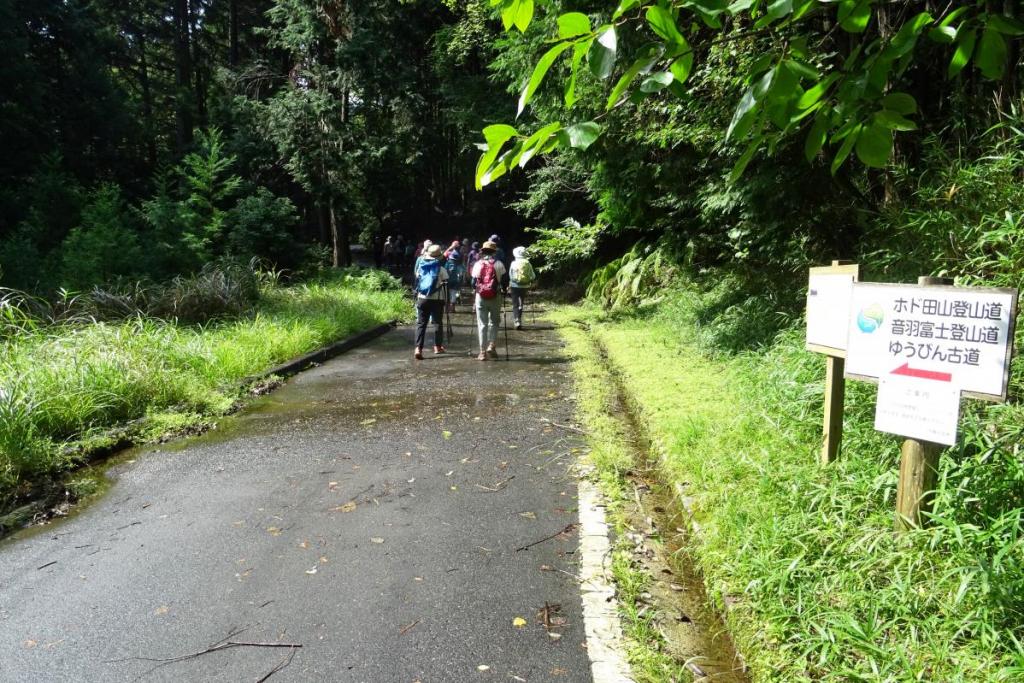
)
(370, 510)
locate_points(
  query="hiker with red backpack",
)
(430, 279)
(487, 274)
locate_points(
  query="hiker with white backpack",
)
(522, 277)
(487, 274)
(430, 284)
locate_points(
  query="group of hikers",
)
(440, 274)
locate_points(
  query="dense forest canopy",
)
(764, 136)
(145, 138)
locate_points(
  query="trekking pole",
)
(448, 314)
(504, 323)
(447, 311)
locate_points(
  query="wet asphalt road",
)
(370, 510)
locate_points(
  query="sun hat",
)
(434, 251)
(520, 252)
(489, 246)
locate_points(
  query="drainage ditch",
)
(658, 534)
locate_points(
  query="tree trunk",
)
(323, 221)
(199, 90)
(1008, 89)
(335, 247)
(147, 102)
(233, 34)
(183, 75)
(342, 251)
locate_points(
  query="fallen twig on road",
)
(568, 528)
(560, 426)
(225, 644)
(406, 629)
(497, 487)
(280, 665)
(545, 614)
(48, 564)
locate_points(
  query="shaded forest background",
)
(145, 138)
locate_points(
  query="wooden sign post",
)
(828, 305)
(919, 464)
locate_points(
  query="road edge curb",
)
(605, 644)
(323, 354)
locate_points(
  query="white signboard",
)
(828, 305)
(910, 407)
(958, 336)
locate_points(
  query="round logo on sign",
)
(870, 319)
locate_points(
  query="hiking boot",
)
(438, 349)
(418, 355)
(482, 356)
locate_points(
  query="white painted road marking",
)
(600, 606)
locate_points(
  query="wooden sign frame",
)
(837, 268)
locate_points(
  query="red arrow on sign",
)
(908, 371)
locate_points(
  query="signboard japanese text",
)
(958, 336)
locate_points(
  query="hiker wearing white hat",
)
(522, 277)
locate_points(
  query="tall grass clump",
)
(66, 373)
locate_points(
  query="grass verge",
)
(62, 387)
(611, 453)
(816, 584)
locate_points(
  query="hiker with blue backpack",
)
(430, 285)
(522, 277)
(487, 274)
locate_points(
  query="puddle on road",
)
(374, 382)
(96, 478)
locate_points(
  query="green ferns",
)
(636, 278)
